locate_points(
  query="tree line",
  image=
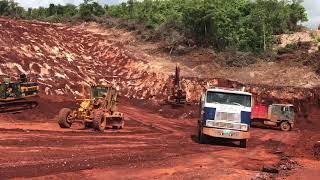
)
(84, 11)
(243, 25)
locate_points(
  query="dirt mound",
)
(294, 38)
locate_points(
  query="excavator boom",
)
(177, 95)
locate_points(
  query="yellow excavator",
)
(18, 95)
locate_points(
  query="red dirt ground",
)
(150, 146)
(158, 142)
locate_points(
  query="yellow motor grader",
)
(98, 112)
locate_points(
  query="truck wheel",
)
(88, 125)
(99, 121)
(122, 126)
(243, 143)
(201, 137)
(285, 126)
(64, 118)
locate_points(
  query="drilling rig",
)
(177, 95)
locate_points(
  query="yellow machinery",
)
(98, 112)
(18, 95)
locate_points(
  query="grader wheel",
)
(64, 118)
(99, 121)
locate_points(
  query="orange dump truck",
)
(277, 115)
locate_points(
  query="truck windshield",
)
(288, 108)
(229, 98)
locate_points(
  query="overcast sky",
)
(45, 3)
(312, 6)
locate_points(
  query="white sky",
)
(45, 3)
(313, 9)
(312, 6)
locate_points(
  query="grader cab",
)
(99, 111)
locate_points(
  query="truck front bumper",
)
(224, 133)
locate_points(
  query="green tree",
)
(97, 9)
(52, 10)
(4, 8)
(29, 12)
(70, 10)
(297, 14)
(60, 10)
(11, 8)
(88, 9)
(244, 25)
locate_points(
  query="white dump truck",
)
(225, 113)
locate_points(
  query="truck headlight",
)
(244, 127)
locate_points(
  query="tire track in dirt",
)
(158, 146)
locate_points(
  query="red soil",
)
(158, 141)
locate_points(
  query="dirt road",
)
(150, 146)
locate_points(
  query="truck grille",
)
(225, 125)
(224, 116)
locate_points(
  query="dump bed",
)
(259, 111)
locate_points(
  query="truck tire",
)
(243, 143)
(99, 121)
(88, 125)
(285, 126)
(63, 118)
(122, 124)
(202, 139)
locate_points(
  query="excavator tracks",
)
(16, 106)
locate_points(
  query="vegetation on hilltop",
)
(242, 25)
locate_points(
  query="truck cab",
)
(225, 113)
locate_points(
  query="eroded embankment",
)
(65, 60)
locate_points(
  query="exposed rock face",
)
(65, 60)
(306, 36)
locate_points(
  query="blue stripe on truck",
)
(246, 117)
(209, 113)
